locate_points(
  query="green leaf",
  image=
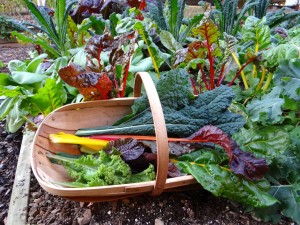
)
(275, 55)
(37, 41)
(113, 18)
(48, 98)
(289, 198)
(15, 119)
(222, 182)
(158, 57)
(267, 109)
(191, 24)
(169, 41)
(33, 65)
(6, 105)
(265, 142)
(183, 113)
(27, 78)
(156, 13)
(10, 91)
(255, 30)
(16, 65)
(287, 77)
(204, 157)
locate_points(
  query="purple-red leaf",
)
(93, 86)
(246, 165)
(215, 135)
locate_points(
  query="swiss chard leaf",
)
(222, 182)
(269, 142)
(50, 97)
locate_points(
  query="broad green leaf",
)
(287, 77)
(295, 136)
(168, 40)
(34, 64)
(142, 65)
(255, 30)
(204, 156)
(113, 18)
(16, 65)
(158, 57)
(266, 142)
(10, 91)
(266, 110)
(289, 197)
(48, 98)
(15, 119)
(27, 78)
(279, 53)
(5, 80)
(6, 105)
(222, 182)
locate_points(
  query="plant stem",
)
(261, 79)
(203, 77)
(221, 77)
(268, 81)
(242, 73)
(30, 121)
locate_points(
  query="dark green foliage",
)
(184, 115)
(7, 25)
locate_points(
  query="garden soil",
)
(190, 207)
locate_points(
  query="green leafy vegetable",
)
(287, 77)
(184, 115)
(268, 109)
(105, 169)
(222, 182)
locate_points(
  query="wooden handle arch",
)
(159, 127)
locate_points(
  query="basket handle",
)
(159, 127)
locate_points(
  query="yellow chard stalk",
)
(86, 143)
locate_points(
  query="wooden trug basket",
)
(70, 118)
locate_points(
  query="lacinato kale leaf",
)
(184, 113)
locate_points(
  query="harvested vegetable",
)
(99, 170)
(184, 114)
(87, 143)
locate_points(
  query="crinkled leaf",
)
(287, 77)
(275, 55)
(267, 109)
(222, 182)
(91, 85)
(94, 47)
(267, 142)
(183, 115)
(195, 50)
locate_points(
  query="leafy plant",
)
(28, 91)
(227, 16)
(7, 25)
(184, 115)
(102, 80)
(54, 29)
(170, 18)
(103, 169)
